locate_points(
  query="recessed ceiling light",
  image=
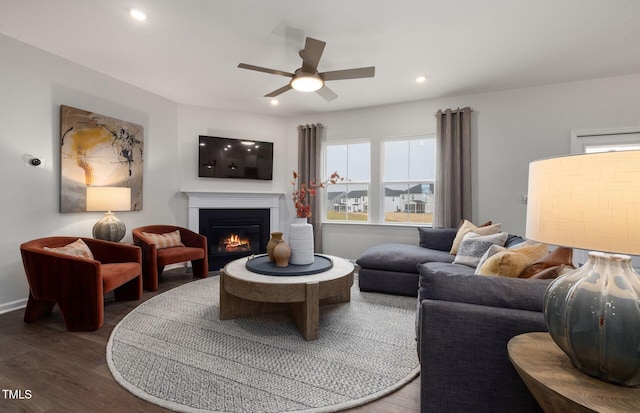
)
(421, 79)
(138, 14)
(274, 102)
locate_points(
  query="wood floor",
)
(67, 372)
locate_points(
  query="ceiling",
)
(188, 50)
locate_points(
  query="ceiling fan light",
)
(307, 83)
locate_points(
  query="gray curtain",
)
(453, 173)
(309, 141)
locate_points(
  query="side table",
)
(560, 387)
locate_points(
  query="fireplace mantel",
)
(240, 200)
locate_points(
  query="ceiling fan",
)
(307, 78)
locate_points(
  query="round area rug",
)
(173, 351)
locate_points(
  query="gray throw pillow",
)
(473, 247)
(440, 239)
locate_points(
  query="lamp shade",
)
(108, 198)
(589, 201)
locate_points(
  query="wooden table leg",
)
(306, 314)
(232, 306)
(225, 297)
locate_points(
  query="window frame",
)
(408, 182)
(375, 192)
(324, 203)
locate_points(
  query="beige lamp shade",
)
(108, 198)
(589, 201)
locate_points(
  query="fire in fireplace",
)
(234, 233)
(234, 243)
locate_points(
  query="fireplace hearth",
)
(234, 233)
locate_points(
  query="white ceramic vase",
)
(301, 242)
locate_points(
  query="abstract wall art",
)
(96, 150)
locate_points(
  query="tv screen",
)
(235, 158)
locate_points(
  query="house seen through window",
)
(349, 200)
(408, 179)
(399, 188)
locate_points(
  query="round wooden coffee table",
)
(244, 293)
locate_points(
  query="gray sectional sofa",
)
(393, 268)
(463, 322)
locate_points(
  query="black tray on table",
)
(260, 264)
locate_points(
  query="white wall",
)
(33, 86)
(509, 130)
(194, 121)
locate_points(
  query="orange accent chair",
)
(78, 284)
(155, 259)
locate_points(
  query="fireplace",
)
(234, 233)
(236, 202)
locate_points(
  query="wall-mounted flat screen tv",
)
(235, 158)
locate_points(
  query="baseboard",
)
(12, 306)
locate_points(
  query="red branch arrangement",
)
(302, 194)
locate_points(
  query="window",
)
(349, 200)
(409, 176)
(611, 148)
(390, 180)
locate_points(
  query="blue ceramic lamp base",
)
(593, 315)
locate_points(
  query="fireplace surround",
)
(240, 202)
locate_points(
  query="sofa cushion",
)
(167, 240)
(451, 282)
(116, 274)
(179, 254)
(440, 239)
(513, 240)
(473, 247)
(512, 261)
(77, 248)
(388, 282)
(400, 257)
(467, 227)
(557, 257)
(552, 272)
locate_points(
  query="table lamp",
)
(109, 198)
(592, 201)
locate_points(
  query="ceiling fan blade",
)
(311, 54)
(349, 73)
(265, 70)
(326, 93)
(278, 91)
